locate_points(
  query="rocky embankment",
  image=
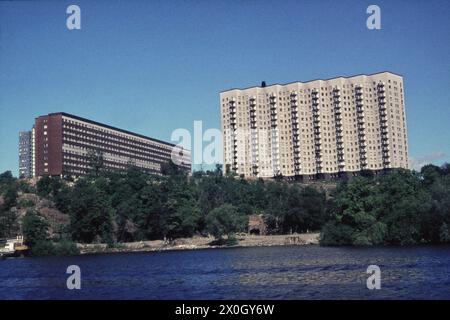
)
(202, 243)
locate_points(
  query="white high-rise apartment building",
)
(316, 129)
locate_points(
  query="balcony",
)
(338, 117)
(316, 124)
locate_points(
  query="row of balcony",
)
(337, 92)
(381, 87)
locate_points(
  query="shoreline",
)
(199, 243)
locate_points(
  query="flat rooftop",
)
(339, 77)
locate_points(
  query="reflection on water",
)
(303, 272)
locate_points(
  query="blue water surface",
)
(290, 272)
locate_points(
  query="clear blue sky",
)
(154, 66)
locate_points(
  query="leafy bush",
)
(43, 248)
(225, 221)
(401, 208)
(66, 248)
(34, 228)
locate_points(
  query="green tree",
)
(430, 174)
(403, 202)
(444, 235)
(6, 181)
(226, 221)
(8, 217)
(96, 163)
(91, 214)
(34, 228)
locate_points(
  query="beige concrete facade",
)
(317, 128)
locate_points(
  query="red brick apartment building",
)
(61, 145)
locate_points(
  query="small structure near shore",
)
(257, 225)
(13, 247)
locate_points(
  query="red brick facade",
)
(62, 142)
(48, 145)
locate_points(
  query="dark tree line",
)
(402, 208)
(108, 206)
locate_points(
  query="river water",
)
(292, 272)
